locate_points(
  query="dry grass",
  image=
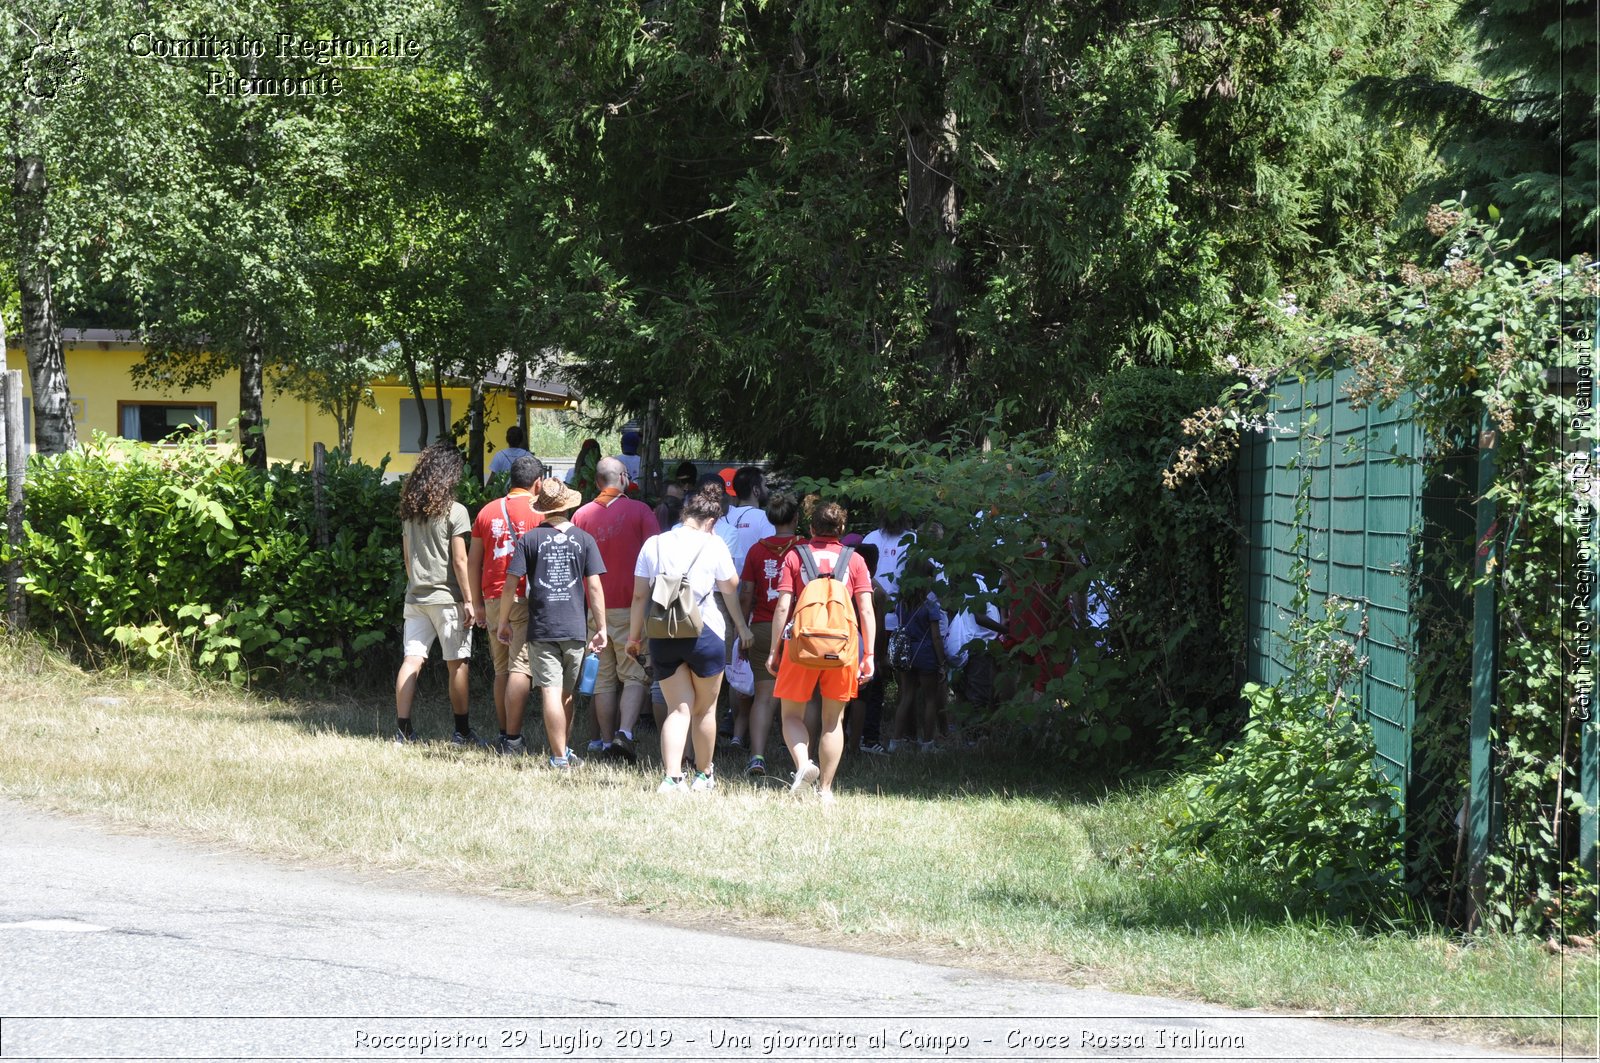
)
(983, 861)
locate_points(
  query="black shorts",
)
(704, 655)
(980, 676)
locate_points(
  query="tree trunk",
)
(416, 391)
(932, 206)
(650, 451)
(475, 445)
(53, 429)
(16, 460)
(252, 427)
(344, 416)
(522, 395)
(438, 399)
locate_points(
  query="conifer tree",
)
(1515, 119)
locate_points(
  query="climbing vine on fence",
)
(1481, 340)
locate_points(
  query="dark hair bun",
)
(706, 502)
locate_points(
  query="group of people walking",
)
(553, 580)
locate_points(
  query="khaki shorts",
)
(616, 667)
(425, 623)
(499, 652)
(760, 647)
(556, 664)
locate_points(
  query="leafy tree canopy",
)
(805, 223)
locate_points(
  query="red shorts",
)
(795, 683)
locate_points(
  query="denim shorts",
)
(703, 654)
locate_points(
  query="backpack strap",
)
(841, 567)
(808, 564)
(661, 567)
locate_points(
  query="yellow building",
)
(105, 399)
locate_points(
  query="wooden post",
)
(16, 450)
(319, 461)
(1480, 771)
(3, 368)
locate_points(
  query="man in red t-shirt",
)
(1037, 609)
(838, 685)
(494, 536)
(758, 596)
(619, 525)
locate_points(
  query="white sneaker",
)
(669, 785)
(804, 777)
(704, 782)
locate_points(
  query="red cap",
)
(727, 479)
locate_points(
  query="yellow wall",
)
(98, 378)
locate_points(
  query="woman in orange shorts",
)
(796, 683)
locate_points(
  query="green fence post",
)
(1589, 720)
(1480, 785)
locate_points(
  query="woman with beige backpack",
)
(674, 579)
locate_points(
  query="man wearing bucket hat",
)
(566, 611)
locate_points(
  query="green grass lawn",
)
(975, 858)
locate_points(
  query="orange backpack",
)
(823, 633)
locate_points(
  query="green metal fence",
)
(1337, 490)
(1338, 495)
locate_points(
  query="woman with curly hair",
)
(433, 537)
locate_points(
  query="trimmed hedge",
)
(180, 552)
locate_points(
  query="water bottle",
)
(591, 669)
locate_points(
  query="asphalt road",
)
(143, 948)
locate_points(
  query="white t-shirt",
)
(741, 528)
(989, 610)
(891, 559)
(673, 552)
(964, 627)
(632, 463)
